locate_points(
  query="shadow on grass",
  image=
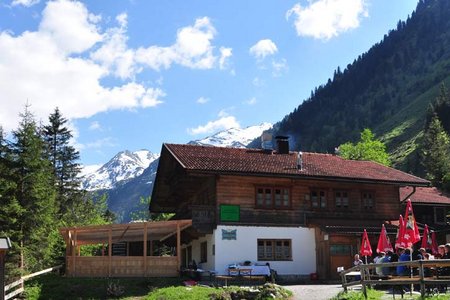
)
(52, 287)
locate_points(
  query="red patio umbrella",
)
(366, 249)
(399, 237)
(426, 238)
(434, 245)
(384, 244)
(411, 233)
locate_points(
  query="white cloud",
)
(95, 126)
(251, 101)
(202, 100)
(26, 3)
(193, 49)
(65, 61)
(263, 48)
(223, 122)
(70, 26)
(114, 54)
(225, 54)
(324, 19)
(279, 67)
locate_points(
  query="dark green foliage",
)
(141, 213)
(39, 193)
(387, 89)
(35, 195)
(63, 158)
(368, 148)
(436, 152)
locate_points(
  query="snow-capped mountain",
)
(128, 176)
(234, 137)
(122, 167)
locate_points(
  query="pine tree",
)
(10, 210)
(35, 194)
(436, 151)
(63, 158)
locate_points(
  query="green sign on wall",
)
(229, 213)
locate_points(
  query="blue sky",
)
(134, 74)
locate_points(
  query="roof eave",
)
(301, 176)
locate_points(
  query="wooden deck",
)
(110, 265)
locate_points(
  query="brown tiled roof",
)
(260, 162)
(425, 195)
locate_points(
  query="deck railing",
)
(122, 266)
(366, 275)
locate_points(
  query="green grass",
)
(352, 295)
(53, 287)
(180, 292)
(381, 295)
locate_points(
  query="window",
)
(340, 250)
(368, 201)
(440, 215)
(274, 250)
(203, 252)
(341, 199)
(273, 197)
(318, 199)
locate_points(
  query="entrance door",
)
(340, 256)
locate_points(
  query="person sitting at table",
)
(405, 255)
(378, 260)
(357, 261)
(441, 252)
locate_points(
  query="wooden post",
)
(74, 247)
(145, 249)
(2, 274)
(422, 277)
(363, 281)
(178, 246)
(109, 251)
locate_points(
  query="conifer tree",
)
(35, 194)
(436, 151)
(10, 210)
(63, 157)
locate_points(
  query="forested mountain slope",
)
(387, 89)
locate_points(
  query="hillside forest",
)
(389, 89)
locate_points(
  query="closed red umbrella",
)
(366, 249)
(411, 233)
(426, 239)
(434, 245)
(384, 244)
(399, 238)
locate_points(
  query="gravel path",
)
(314, 292)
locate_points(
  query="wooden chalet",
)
(431, 207)
(127, 250)
(303, 213)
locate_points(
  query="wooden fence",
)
(364, 275)
(18, 285)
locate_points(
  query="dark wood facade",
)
(201, 194)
